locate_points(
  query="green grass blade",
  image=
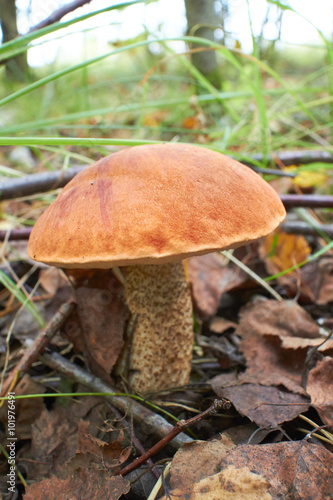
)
(23, 41)
(19, 295)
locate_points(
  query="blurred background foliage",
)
(217, 73)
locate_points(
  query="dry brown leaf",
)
(54, 437)
(108, 454)
(295, 470)
(85, 485)
(220, 325)
(262, 326)
(211, 276)
(325, 274)
(282, 318)
(301, 343)
(230, 484)
(26, 410)
(50, 279)
(320, 388)
(102, 314)
(249, 400)
(197, 460)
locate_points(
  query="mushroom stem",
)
(161, 348)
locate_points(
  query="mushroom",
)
(147, 208)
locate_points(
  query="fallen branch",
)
(59, 14)
(33, 352)
(219, 404)
(304, 228)
(307, 201)
(36, 183)
(16, 234)
(155, 424)
(134, 439)
(297, 157)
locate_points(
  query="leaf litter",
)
(272, 359)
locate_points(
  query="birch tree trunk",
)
(202, 21)
(16, 67)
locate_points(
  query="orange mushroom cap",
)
(154, 204)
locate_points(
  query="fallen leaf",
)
(230, 484)
(210, 276)
(325, 288)
(108, 454)
(280, 251)
(102, 314)
(84, 484)
(26, 410)
(262, 326)
(220, 325)
(268, 407)
(197, 460)
(301, 343)
(51, 279)
(55, 436)
(320, 388)
(281, 318)
(295, 470)
(308, 179)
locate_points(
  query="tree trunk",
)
(16, 67)
(201, 22)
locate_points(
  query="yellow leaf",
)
(282, 251)
(306, 179)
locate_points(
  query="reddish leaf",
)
(320, 388)
(85, 485)
(266, 406)
(297, 471)
(211, 276)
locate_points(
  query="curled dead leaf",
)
(320, 388)
(229, 484)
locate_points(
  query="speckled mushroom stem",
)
(161, 349)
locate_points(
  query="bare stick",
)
(135, 440)
(36, 183)
(308, 201)
(41, 341)
(303, 228)
(16, 234)
(154, 423)
(59, 14)
(218, 404)
(298, 157)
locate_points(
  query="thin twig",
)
(218, 405)
(16, 234)
(135, 440)
(37, 183)
(298, 157)
(307, 200)
(59, 14)
(303, 228)
(155, 424)
(41, 341)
